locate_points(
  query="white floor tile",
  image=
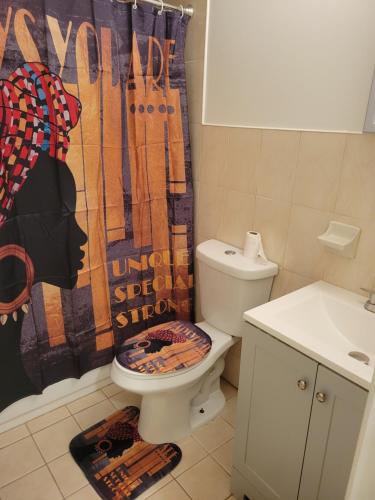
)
(38, 485)
(87, 401)
(192, 453)
(13, 435)
(213, 434)
(224, 455)
(125, 398)
(206, 481)
(86, 493)
(19, 459)
(156, 487)
(67, 474)
(50, 418)
(54, 440)
(94, 414)
(111, 389)
(172, 491)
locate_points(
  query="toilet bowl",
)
(176, 402)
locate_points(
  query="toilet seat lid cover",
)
(165, 348)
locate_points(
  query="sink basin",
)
(326, 323)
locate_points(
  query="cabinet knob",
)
(321, 397)
(302, 384)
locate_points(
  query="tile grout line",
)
(21, 477)
(45, 463)
(77, 491)
(49, 425)
(17, 440)
(57, 421)
(53, 478)
(183, 489)
(221, 466)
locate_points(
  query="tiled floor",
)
(35, 463)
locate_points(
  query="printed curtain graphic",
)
(95, 185)
(115, 459)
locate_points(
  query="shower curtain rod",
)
(189, 10)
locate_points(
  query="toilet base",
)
(211, 409)
(172, 416)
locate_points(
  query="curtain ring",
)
(182, 11)
(160, 12)
(135, 5)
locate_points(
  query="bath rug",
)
(115, 459)
(165, 348)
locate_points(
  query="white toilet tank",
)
(230, 284)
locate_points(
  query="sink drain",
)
(360, 356)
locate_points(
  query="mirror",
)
(289, 64)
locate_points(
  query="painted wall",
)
(287, 185)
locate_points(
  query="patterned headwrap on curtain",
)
(36, 114)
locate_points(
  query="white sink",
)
(326, 323)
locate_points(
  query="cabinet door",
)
(332, 438)
(273, 415)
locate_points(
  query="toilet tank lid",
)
(220, 256)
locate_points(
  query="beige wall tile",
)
(366, 244)
(237, 217)
(67, 474)
(277, 164)
(36, 424)
(54, 440)
(349, 274)
(304, 254)
(38, 485)
(242, 155)
(194, 84)
(228, 389)
(318, 170)
(215, 143)
(196, 132)
(210, 204)
(13, 435)
(18, 459)
(287, 282)
(231, 371)
(208, 473)
(272, 221)
(356, 195)
(195, 40)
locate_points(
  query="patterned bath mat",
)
(165, 348)
(115, 459)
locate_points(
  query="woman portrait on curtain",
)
(40, 240)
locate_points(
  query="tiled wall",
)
(287, 185)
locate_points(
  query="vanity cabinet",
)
(297, 424)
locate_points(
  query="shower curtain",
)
(95, 184)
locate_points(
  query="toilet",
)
(176, 366)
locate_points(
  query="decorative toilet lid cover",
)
(165, 348)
